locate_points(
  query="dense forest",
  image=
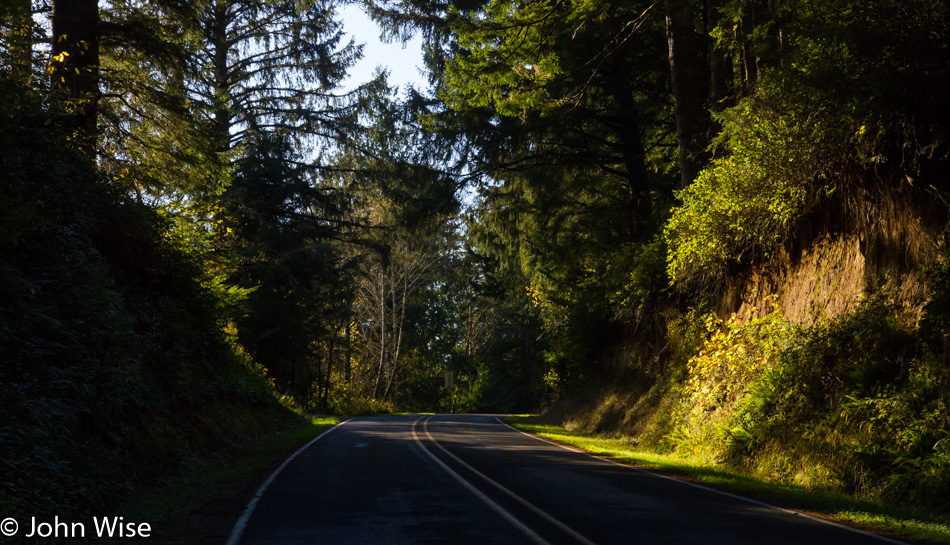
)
(718, 228)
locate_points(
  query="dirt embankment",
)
(846, 250)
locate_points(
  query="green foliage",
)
(278, 223)
(644, 266)
(881, 60)
(843, 105)
(736, 358)
(304, 240)
(510, 377)
(781, 147)
(154, 139)
(853, 404)
(935, 325)
(558, 112)
(866, 400)
(348, 400)
(838, 105)
(259, 68)
(506, 42)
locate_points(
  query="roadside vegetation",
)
(853, 409)
(858, 403)
(926, 525)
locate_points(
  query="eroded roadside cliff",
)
(823, 364)
(883, 240)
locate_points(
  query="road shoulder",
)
(895, 522)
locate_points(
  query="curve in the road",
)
(474, 480)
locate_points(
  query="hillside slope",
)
(114, 370)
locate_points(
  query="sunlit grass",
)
(321, 423)
(937, 532)
(911, 523)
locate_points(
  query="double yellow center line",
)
(501, 488)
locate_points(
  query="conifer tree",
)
(273, 66)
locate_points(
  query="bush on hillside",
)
(857, 403)
(114, 371)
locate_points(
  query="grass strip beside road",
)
(900, 522)
(200, 505)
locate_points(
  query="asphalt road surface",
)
(473, 480)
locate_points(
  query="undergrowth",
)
(857, 404)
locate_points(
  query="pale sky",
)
(403, 62)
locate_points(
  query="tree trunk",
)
(402, 320)
(720, 65)
(633, 155)
(222, 79)
(750, 65)
(331, 354)
(348, 364)
(689, 93)
(382, 335)
(75, 65)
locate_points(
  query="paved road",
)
(472, 480)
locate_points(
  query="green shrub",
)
(858, 403)
(779, 150)
(347, 399)
(725, 379)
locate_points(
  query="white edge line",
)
(471, 488)
(701, 487)
(241, 523)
